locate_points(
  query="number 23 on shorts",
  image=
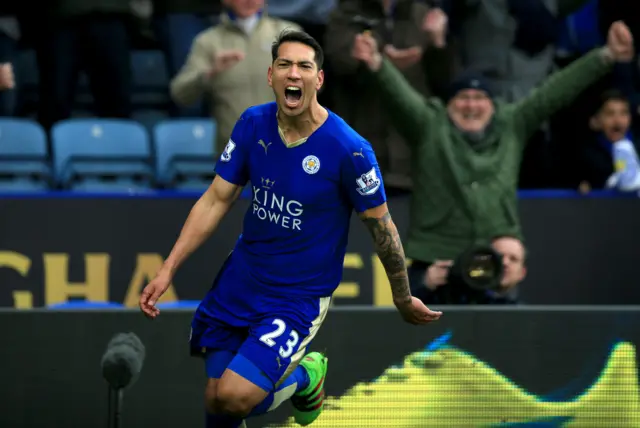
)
(280, 337)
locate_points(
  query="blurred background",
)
(114, 112)
(141, 61)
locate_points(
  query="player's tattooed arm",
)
(389, 248)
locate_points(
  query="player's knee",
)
(234, 402)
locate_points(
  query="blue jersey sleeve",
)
(361, 178)
(233, 164)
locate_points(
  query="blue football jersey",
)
(295, 231)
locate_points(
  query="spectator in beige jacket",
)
(227, 62)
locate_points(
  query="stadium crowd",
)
(512, 45)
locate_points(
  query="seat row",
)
(106, 154)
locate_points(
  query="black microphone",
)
(123, 359)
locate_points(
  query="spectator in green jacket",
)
(467, 152)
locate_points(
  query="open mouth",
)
(616, 132)
(292, 96)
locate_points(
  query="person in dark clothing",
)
(88, 35)
(176, 24)
(432, 284)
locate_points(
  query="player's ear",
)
(320, 80)
(270, 76)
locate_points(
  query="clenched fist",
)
(365, 49)
(436, 24)
(6, 76)
(620, 42)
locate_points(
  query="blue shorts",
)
(271, 331)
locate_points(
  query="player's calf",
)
(216, 364)
(236, 396)
(245, 387)
(215, 415)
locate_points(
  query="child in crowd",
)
(611, 160)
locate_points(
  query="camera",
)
(363, 23)
(474, 272)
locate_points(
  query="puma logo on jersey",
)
(358, 153)
(264, 145)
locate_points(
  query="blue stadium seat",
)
(23, 156)
(179, 304)
(185, 155)
(82, 304)
(150, 79)
(101, 155)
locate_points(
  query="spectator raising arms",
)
(468, 151)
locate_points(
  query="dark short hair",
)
(612, 95)
(295, 36)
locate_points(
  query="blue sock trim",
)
(302, 378)
(245, 368)
(216, 363)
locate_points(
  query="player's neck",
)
(304, 125)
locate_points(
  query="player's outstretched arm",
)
(388, 246)
(202, 221)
